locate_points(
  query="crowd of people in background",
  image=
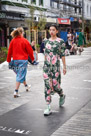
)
(74, 43)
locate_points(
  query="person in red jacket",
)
(19, 50)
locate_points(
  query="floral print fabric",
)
(54, 50)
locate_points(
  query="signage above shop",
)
(64, 21)
(51, 20)
(11, 15)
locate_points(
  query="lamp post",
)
(83, 15)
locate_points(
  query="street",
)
(24, 115)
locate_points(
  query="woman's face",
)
(53, 31)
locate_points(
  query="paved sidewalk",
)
(78, 125)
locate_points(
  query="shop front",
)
(67, 24)
(8, 21)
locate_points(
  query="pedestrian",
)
(74, 36)
(35, 62)
(19, 49)
(69, 35)
(81, 41)
(35, 52)
(42, 47)
(54, 49)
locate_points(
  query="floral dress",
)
(54, 50)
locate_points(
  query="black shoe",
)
(35, 63)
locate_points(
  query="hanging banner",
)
(64, 21)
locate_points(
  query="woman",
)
(54, 49)
(35, 53)
(19, 49)
(81, 41)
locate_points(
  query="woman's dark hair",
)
(54, 25)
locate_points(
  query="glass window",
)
(75, 1)
(64, 6)
(58, 5)
(33, 1)
(24, 0)
(51, 3)
(41, 2)
(79, 8)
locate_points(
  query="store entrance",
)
(3, 38)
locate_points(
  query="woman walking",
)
(81, 41)
(19, 49)
(54, 49)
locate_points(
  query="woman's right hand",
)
(64, 70)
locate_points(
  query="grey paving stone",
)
(78, 125)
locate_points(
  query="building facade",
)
(87, 9)
(13, 13)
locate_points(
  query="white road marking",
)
(83, 88)
(87, 80)
(8, 77)
(1, 87)
(19, 131)
(2, 83)
(74, 98)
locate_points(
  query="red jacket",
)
(20, 49)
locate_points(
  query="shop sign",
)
(51, 20)
(9, 15)
(64, 21)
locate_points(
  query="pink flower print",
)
(54, 82)
(49, 91)
(45, 76)
(58, 39)
(48, 98)
(58, 86)
(50, 53)
(54, 59)
(48, 58)
(58, 58)
(56, 75)
(48, 46)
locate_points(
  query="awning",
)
(64, 21)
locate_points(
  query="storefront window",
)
(51, 3)
(33, 1)
(2, 36)
(24, 1)
(41, 2)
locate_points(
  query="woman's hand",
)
(64, 70)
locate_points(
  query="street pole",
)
(83, 15)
